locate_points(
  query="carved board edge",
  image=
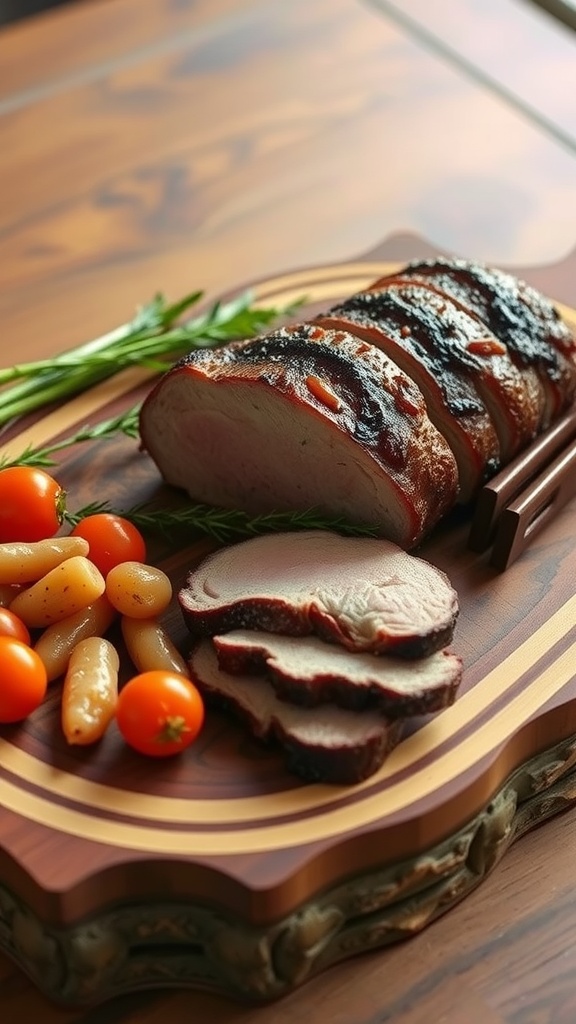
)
(157, 944)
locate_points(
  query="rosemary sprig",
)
(223, 525)
(126, 423)
(153, 339)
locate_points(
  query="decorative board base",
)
(127, 948)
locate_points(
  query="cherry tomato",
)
(11, 625)
(159, 713)
(32, 504)
(112, 540)
(23, 680)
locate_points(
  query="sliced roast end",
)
(345, 766)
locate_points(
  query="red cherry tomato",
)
(112, 540)
(159, 713)
(23, 680)
(32, 504)
(11, 625)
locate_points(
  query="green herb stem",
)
(224, 525)
(153, 339)
(126, 423)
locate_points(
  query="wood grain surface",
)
(177, 144)
(159, 167)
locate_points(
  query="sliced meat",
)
(533, 383)
(336, 746)
(307, 671)
(385, 412)
(438, 331)
(363, 593)
(454, 403)
(281, 424)
(516, 314)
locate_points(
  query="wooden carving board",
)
(217, 868)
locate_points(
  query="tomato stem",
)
(61, 506)
(172, 730)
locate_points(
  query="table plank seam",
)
(472, 71)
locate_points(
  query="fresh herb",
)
(223, 525)
(126, 423)
(153, 339)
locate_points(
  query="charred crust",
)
(326, 690)
(266, 614)
(524, 320)
(383, 312)
(343, 765)
(372, 406)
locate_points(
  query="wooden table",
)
(155, 144)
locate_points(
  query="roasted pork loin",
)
(395, 405)
(517, 315)
(387, 410)
(403, 323)
(447, 349)
(363, 593)
(284, 423)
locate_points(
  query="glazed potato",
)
(71, 586)
(22, 562)
(56, 643)
(90, 692)
(150, 647)
(138, 590)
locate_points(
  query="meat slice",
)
(335, 746)
(307, 671)
(533, 384)
(451, 342)
(518, 315)
(363, 593)
(278, 423)
(453, 401)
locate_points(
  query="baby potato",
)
(56, 643)
(90, 692)
(150, 647)
(72, 585)
(26, 562)
(138, 590)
